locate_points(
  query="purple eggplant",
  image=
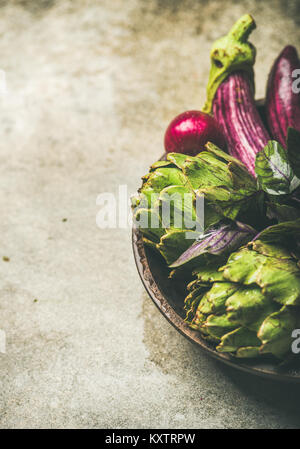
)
(235, 110)
(230, 93)
(283, 97)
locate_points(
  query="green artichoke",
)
(242, 245)
(229, 192)
(250, 305)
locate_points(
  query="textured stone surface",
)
(91, 87)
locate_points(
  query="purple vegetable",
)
(282, 98)
(222, 238)
(235, 110)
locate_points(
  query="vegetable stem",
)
(231, 53)
(242, 29)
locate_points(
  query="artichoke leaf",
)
(218, 325)
(193, 299)
(179, 159)
(249, 307)
(281, 233)
(248, 352)
(225, 157)
(159, 164)
(280, 280)
(275, 332)
(244, 266)
(194, 284)
(209, 273)
(164, 177)
(173, 243)
(150, 224)
(197, 321)
(176, 209)
(238, 339)
(213, 302)
(271, 250)
(206, 171)
(191, 309)
(232, 204)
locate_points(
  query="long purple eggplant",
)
(282, 99)
(235, 110)
(230, 92)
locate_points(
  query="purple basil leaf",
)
(222, 238)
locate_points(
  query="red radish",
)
(190, 131)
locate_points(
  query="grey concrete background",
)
(91, 87)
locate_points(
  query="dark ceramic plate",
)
(168, 296)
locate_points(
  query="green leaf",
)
(282, 212)
(225, 157)
(218, 325)
(293, 149)
(249, 307)
(150, 224)
(278, 251)
(164, 177)
(213, 302)
(274, 172)
(279, 278)
(227, 202)
(192, 301)
(243, 266)
(276, 332)
(176, 209)
(173, 243)
(247, 352)
(239, 339)
(281, 233)
(209, 273)
(202, 172)
(197, 321)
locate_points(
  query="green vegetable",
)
(253, 307)
(168, 207)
